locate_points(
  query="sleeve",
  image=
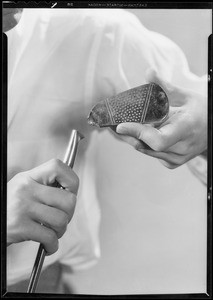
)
(128, 49)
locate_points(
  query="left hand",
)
(32, 200)
(181, 137)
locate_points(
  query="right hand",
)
(32, 201)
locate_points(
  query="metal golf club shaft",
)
(69, 159)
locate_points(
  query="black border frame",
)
(104, 4)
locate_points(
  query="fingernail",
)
(121, 129)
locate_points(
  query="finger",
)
(175, 93)
(157, 139)
(58, 198)
(50, 217)
(181, 148)
(170, 158)
(56, 170)
(168, 165)
(137, 144)
(45, 236)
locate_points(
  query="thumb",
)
(55, 170)
(130, 129)
(146, 133)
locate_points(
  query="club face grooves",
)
(143, 104)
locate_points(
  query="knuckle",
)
(171, 166)
(61, 221)
(168, 165)
(158, 146)
(62, 232)
(52, 248)
(187, 149)
(51, 237)
(179, 160)
(137, 145)
(56, 164)
(181, 148)
(71, 203)
(76, 181)
(23, 184)
(183, 160)
(29, 208)
(140, 135)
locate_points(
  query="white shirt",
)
(61, 62)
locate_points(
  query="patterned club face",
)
(144, 104)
